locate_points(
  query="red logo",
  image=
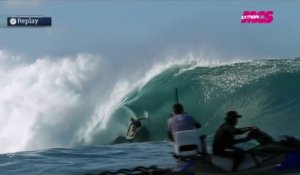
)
(260, 17)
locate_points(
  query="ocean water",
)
(72, 133)
(91, 160)
(265, 93)
(86, 159)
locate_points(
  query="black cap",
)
(232, 115)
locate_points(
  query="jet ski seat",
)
(225, 163)
(187, 143)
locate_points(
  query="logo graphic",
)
(13, 21)
(260, 17)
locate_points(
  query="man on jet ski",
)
(180, 121)
(224, 140)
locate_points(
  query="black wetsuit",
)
(224, 143)
(136, 123)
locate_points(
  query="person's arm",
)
(241, 140)
(142, 118)
(170, 136)
(246, 129)
(195, 123)
(239, 131)
(242, 131)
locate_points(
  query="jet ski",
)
(269, 157)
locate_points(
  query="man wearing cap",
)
(224, 140)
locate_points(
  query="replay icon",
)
(13, 21)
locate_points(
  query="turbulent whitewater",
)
(72, 101)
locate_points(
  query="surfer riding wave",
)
(134, 125)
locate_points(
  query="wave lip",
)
(264, 91)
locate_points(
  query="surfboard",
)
(131, 134)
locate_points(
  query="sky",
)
(132, 32)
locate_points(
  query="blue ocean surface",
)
(89, 160)
(86, 159)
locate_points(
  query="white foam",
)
(40, 94)
(54, 102)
